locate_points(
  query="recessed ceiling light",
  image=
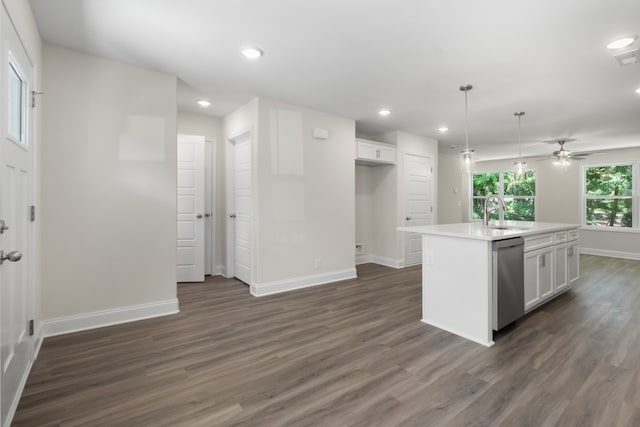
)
(204, 103)
(252, 52)
(622, 42)
(384, 112)
(638, 91)
(443, 129)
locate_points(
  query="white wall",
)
(364, 207)
(559, 200)
(305, 195)
(211, 128)
(450, 189)
(108, 185)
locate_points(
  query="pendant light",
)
(467, 154)
(521, 167)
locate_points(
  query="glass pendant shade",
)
(466, 161)
(520, 169)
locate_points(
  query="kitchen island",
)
(458, 271)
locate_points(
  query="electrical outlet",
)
(428, 258)
(317, 263)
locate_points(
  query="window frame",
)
(22, 141)
(501, 174)
(635, 197)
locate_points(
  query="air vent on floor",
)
(628, 58)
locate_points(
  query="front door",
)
(16, 229)
(418, 203)
(190, 203)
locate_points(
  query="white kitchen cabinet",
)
(573, 262)
(550, 265)
(372, 153)
(538, 276)
(560, 260)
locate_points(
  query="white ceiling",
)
(352, 57)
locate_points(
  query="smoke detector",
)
(628, 58)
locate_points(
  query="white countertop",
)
(475, 230)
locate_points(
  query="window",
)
(17, 108)
(610, 195)
(519, 195)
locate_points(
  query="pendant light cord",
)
(466, 120)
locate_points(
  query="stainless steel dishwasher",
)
(508, 281)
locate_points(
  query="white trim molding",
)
(99, 319)
(363, 259)
(388, 262)
(269, 288)
(612, 254)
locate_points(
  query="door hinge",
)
(32, 213)
(31, 327)
(33, 97)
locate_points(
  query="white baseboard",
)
(612, 254)
(262, 289)
(38, 341)
(221, 270)
(14, 405)
(362, 259)
(99, 319)
(458, 333)
(389, 262)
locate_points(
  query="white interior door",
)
(190, 205)
(16, 238)
(239, 208)
(418, 203)
(242, 194)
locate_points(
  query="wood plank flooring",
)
(352, 353)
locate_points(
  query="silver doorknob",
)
(232, 215)
(199, 216)
(207, 215)
(408, 218)
(12, 256)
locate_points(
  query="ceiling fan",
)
(563, 153)
(562, 157)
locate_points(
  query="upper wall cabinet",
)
(372, 153)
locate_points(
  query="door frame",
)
(210, 239)
(230, 143)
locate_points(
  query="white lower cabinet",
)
(538, 276)
(549, 270)
(573, 262)
(560, 259)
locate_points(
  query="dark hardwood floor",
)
(352, 353)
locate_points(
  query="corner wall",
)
(305, 219)
(108, 192)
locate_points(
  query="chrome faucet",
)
(485, 219)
